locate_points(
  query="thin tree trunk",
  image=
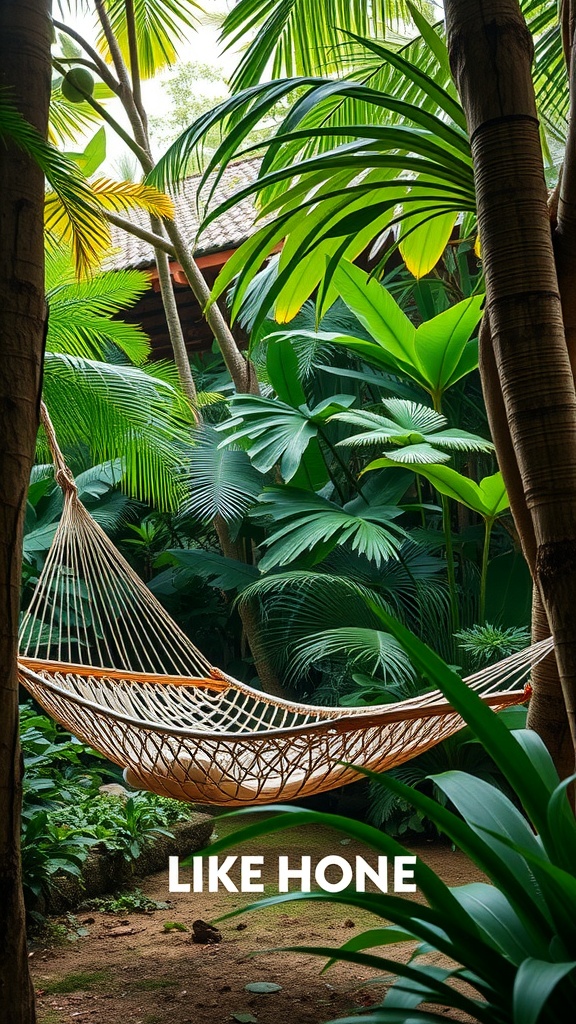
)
(491, 52)
(239, 368)
(25, 70)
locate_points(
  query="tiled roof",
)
(227, 232)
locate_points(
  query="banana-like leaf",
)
(488, 498)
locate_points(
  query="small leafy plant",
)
(511, 941)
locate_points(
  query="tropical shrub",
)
(510, 940)
(64, 814)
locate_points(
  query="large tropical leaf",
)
(415, 431)
(161, 25)
(308, 525)
(110, 410)
(279, 46)
(488, 498)
(219, 481)
(275, 432)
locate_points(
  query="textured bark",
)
(25, 70)
(491, 52)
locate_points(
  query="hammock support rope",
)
(102, 656)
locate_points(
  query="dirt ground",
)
(128, 969)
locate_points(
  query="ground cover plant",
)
(65, 814)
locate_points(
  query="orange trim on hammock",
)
(41, 665)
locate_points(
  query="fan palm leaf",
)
(219, 481)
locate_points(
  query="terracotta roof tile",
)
(227, 232)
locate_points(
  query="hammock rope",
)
(103, 657)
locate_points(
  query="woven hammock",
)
(102, 656)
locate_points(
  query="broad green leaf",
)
(283, 372)
(377, 311)
(534, 983)
(492, 911)
(485, 808)
(93, 155)
(488, 498)
(442, 342)
(422, 241)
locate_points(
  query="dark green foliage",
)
(64, 814)
(511, 939)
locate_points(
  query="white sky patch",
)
(201, 47)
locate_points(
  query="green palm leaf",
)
(160, 26)
(302, 37)
(368, 650)
(107, 409)
(81, 320)
(309, 525)
(220, 481)
(416, 431)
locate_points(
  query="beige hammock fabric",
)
(102, 656)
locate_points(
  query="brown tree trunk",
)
(25, 71)
(491, 52)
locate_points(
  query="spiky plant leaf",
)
(219, 481)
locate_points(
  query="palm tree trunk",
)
(240, 368)
(491, 52)
(25, 70)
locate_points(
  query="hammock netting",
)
(103, 657)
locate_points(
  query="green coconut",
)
(76, 84)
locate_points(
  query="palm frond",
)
(75, 212)
(82, 313)
(305, 525)
(160, 26)
(367, 650)
(220, 481)
(302, 37)
(121, 412)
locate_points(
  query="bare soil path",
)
(128, 969)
